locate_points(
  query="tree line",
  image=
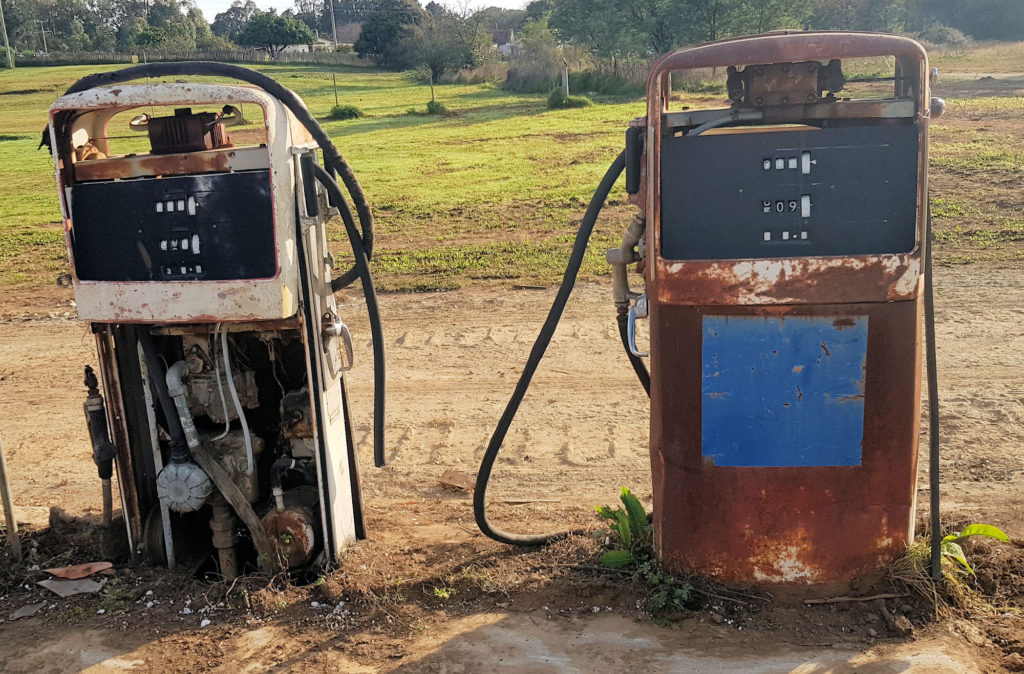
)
(401, 33)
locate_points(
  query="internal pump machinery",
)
(195, 220)
(783, 243)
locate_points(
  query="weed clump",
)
(436, 108)
(558, 99)
(345, 112)
(956, 589)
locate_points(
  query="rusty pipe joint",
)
(623, 256)
(176, 389)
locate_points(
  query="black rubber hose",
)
(933, 402)
(579, 248)
(332, 157)
(372, 308)
(178, 445)
(638, 363)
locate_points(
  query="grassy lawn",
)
(495, 189)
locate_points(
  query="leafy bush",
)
(594, 82)
(345, 112)
(558, 99)
(436, 108)
(633, 549)
(946, 36)
(629, 523)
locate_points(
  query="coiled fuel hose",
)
(547, 331)
(361, 242)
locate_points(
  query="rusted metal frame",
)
(206, 161)
(876, 500)
(785, 47)
(119, 432)
(681, 278)
(261, 298)
(891, 108)
(283, 324)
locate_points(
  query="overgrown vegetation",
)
(957, 587)
(558, 99)
(346, 111)
(631, 544)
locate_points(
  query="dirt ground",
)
(427, 592)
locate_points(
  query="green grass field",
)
(495, 189)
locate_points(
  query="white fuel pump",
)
(200, 259)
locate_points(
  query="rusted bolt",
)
(812, 97)
(785, 100)
(759, 100)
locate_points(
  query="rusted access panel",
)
(795, 462)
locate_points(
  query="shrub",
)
(436, 108)
(345, 112)
(595, 82)
(946, 36)
(558, 99)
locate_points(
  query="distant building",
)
(504, 41)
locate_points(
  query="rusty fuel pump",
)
(783, 242)
(199, 256)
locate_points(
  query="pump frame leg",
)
(13, 540)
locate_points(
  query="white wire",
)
(220, 388)
(250, 468)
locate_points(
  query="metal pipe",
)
(620, 258)
(13, 541)
(103, 451)
(176, 389)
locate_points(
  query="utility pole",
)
(7, 44)
(42, 31)
(334, 26)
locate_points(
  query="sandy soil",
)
(581, 435)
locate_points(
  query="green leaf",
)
(637, 514)
(983, 530)
(605, 512)
(950, 549)
(623, 528)
(616, 558)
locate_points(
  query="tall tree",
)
(269, 31)
(444, 40)
(231, 22)
(384, 31)
(600, 25)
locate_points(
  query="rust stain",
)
(788, 281)
(843, 323)
(153, 165)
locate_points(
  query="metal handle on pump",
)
(638, 310)
(334, 327)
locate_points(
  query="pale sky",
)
(211, 8)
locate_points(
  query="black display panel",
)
(210, 227)
(789, 193)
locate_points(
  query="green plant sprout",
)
(951, 542)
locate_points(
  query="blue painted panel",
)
(783, 391)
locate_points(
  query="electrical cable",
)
(220, 387)
(536, 353)
(250, 463)
(370, 293)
